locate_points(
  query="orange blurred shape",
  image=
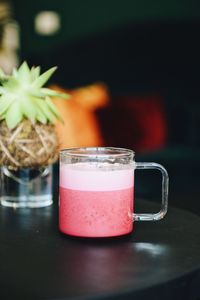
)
(91, 97)
(80, 127)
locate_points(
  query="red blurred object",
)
(135, 122)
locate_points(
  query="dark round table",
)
(158, 260)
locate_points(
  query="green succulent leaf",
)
(4, 104)
(52, 93)
(22, 96)
(28, 108)
(15, 73)
(24, 74)
(53, 108)
(35, 72)
(2, 117)
(11, 84)
(40, 116)
(46, 111)
(38, 94)
(42, 79)
(2, 90)
(13, 116)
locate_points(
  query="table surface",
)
(158, 260)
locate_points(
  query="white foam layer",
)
(96, 177)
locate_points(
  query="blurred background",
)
(133, 69)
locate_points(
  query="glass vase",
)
(26, 187)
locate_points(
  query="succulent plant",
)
(27, 116)
(22, 96)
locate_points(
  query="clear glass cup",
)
(26, 187)
(97, 191)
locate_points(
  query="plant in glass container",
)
(28, 142)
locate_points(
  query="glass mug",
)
(97, 191)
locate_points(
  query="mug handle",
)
(165, 185)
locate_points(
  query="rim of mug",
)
(98, 151)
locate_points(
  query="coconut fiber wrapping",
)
(28, 145)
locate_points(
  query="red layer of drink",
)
(96, 213)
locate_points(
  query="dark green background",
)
(81, 18)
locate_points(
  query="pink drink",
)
(96, 201)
